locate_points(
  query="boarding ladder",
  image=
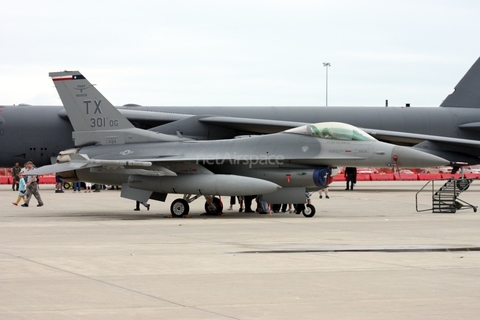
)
(445, 199)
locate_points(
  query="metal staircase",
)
(445, 199)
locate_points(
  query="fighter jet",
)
(450, 131)
(280, 166)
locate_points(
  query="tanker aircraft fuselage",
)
(451, 131)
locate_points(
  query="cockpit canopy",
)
(334, 131)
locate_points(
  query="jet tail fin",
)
(94, 119)
(467, 91)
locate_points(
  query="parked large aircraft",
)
(281, 166)
(451, 131)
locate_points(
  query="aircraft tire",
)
(218, 207)
(309, 211)
(179, 208)
(463, 184)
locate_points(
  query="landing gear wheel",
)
(215, 208)
(179, 208)
(309, 211)
(463, 184)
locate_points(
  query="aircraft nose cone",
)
(406, 157)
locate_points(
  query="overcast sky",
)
(240, 53)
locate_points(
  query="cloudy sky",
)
(240, 52)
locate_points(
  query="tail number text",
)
(103, 122)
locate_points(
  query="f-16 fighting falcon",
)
(149, 165)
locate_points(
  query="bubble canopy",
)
(334, 131)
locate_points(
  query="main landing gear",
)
(214, 206)
(180, 207)
(307, 210)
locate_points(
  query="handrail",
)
(416, 196)
(459, 186)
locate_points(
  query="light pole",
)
(326, 65)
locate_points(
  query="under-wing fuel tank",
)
(204, 184)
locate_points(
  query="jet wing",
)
(145, 117)
(251, 124)
(151, 118)
(396, 137)
(414, 138)
(454, 149)
(265, 126)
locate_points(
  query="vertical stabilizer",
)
(94, 119)
(467, 91)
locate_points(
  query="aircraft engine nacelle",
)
(206, 184)
(322, 177)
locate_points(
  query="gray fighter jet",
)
(450, 131)
(280, 166)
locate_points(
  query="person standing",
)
(145, 204)
(240, 202)
(15, 179)
(32, 187)
(22, 193)
(262, 206)
(58, 184)
(290, 208)
(350, 176)
(98, 187)
(77, 186)
(325, 190)
(248, 203)
(232, 202)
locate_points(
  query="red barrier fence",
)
(406, 176)
(42, 179)
(382, 177)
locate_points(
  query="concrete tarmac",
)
(366, 254)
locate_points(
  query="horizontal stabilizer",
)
(251, 124)
(82, 161)
(407, 138)
(58, 167)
